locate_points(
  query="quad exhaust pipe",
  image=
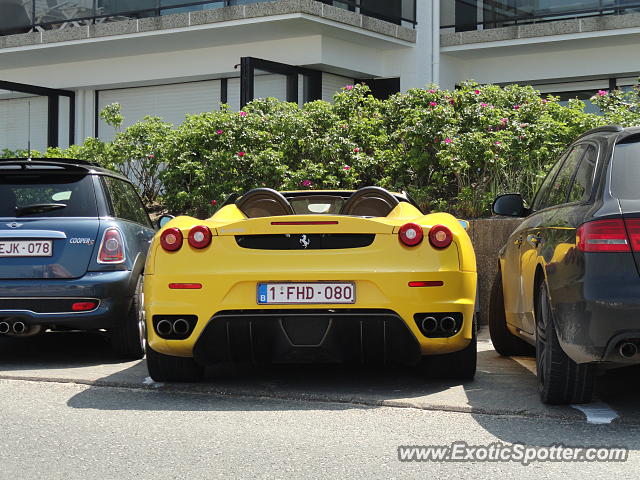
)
(19, 328)
(4, 327)
(447, 325)
(429, 324)
(179, 327)
(628, 350)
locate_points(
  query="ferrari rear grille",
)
(42, 305)
(307, 336)
(316, 241)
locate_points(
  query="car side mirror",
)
(510, 205)
(164, 219)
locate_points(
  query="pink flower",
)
(448, 140)
(346, 168)
(243, 113)
(356, 150)
(214, 202)
(432, 91)
(452, 101)
(498, 143)
(477, 92)
(306, 183)
(241, 154)
(484, 104)
(602, 93)
(349, 87)
(516, 107)
(151, 155)
(433, 104)
(544, 102)
(219, 132)
(503, 121)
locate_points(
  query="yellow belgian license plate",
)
(304, 293)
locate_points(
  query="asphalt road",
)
(70, 410)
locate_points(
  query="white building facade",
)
(63, 61)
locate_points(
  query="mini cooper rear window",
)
(625, 171)
(47, 195)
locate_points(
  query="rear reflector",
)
(83, 306)
(112, 247)
(604, 236)
(185, 286)
(324, 222)
(432, 283)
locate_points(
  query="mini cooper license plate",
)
(302, 293)
(26, 248)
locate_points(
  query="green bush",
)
(451, 150)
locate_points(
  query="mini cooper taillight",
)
(610, 235)
(112, 247)
(440, 236)
(200, 236)
(171, 239)
(411, 234)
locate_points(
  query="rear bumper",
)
(113, 290)
(599, 310)
(225, 305)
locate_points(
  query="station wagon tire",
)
(560, 379)
(459, 365)
(129, 339)
(167, 368)
(504, 342)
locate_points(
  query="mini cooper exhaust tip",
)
(628, 350)
(19, 328)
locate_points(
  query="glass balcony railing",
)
(464, 15)
(21, 16)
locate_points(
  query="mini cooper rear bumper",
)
(50, 302)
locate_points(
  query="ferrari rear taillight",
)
(171, 239)
(411, 234)
(112, 247)
(200, 236)
(603, 236)
(440, 236)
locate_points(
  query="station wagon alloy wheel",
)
(560, 379)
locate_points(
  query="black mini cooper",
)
(568, 280)
(73, 242)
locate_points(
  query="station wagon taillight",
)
(610, 235)
(111, 247)
(171, 239)
(200, 236)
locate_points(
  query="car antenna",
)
(29, 130)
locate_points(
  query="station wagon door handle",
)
(534, 240)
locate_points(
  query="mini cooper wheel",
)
(459, 365)
(504, 342)
(560, 379)
(167, 368)
(129, 340)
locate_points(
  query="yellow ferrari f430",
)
(315, 276)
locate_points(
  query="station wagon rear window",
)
(47, 195)
(625, 171)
